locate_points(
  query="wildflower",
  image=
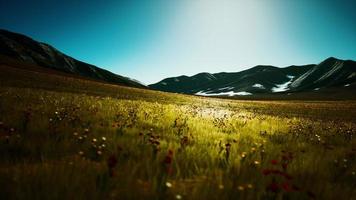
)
(94, 140)
(81, 153)
(168, 162)
(99, 152)
(75, 133)
(221, 186)
(277, 172)
(243, 154)
(169, 158)
(353, 173)
(274, 162)
(169, 185)
(286, 187)
(241, 188)
(249, 186)
(256, 162)
(178, 196)
(103, 138)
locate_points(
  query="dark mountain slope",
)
(27, 50)
(264, 76)
(264, 79)
(329, 73)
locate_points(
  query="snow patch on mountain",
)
(299, 80)
(230, 93)
(284, 86)
(226, 88)
(336, 67)
(210, 76)
(257, 85)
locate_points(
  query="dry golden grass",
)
(64, 138)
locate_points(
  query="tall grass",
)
(65, 145)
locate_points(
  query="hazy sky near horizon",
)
(149, 40)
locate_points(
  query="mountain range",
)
(16, 47)
(332, 74)
(265, 79)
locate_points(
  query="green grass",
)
(64, 138)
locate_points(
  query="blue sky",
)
(153, 39)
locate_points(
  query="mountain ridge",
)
(264, 79)
(27, 50)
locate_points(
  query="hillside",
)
(22, 49)
(329, 74)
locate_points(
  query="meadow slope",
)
(68, 138)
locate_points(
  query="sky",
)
(150, 40)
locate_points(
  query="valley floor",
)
(68, 138)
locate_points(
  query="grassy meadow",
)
(66, 138)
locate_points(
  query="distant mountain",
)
(24, 49)
(265, 79)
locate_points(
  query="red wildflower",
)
(276, 172)
(169, 157)
(271, 171)
(286, 187)
(274, 162)
(168, 162)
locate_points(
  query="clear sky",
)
(153, 39)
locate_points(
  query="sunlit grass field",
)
(65, 138)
